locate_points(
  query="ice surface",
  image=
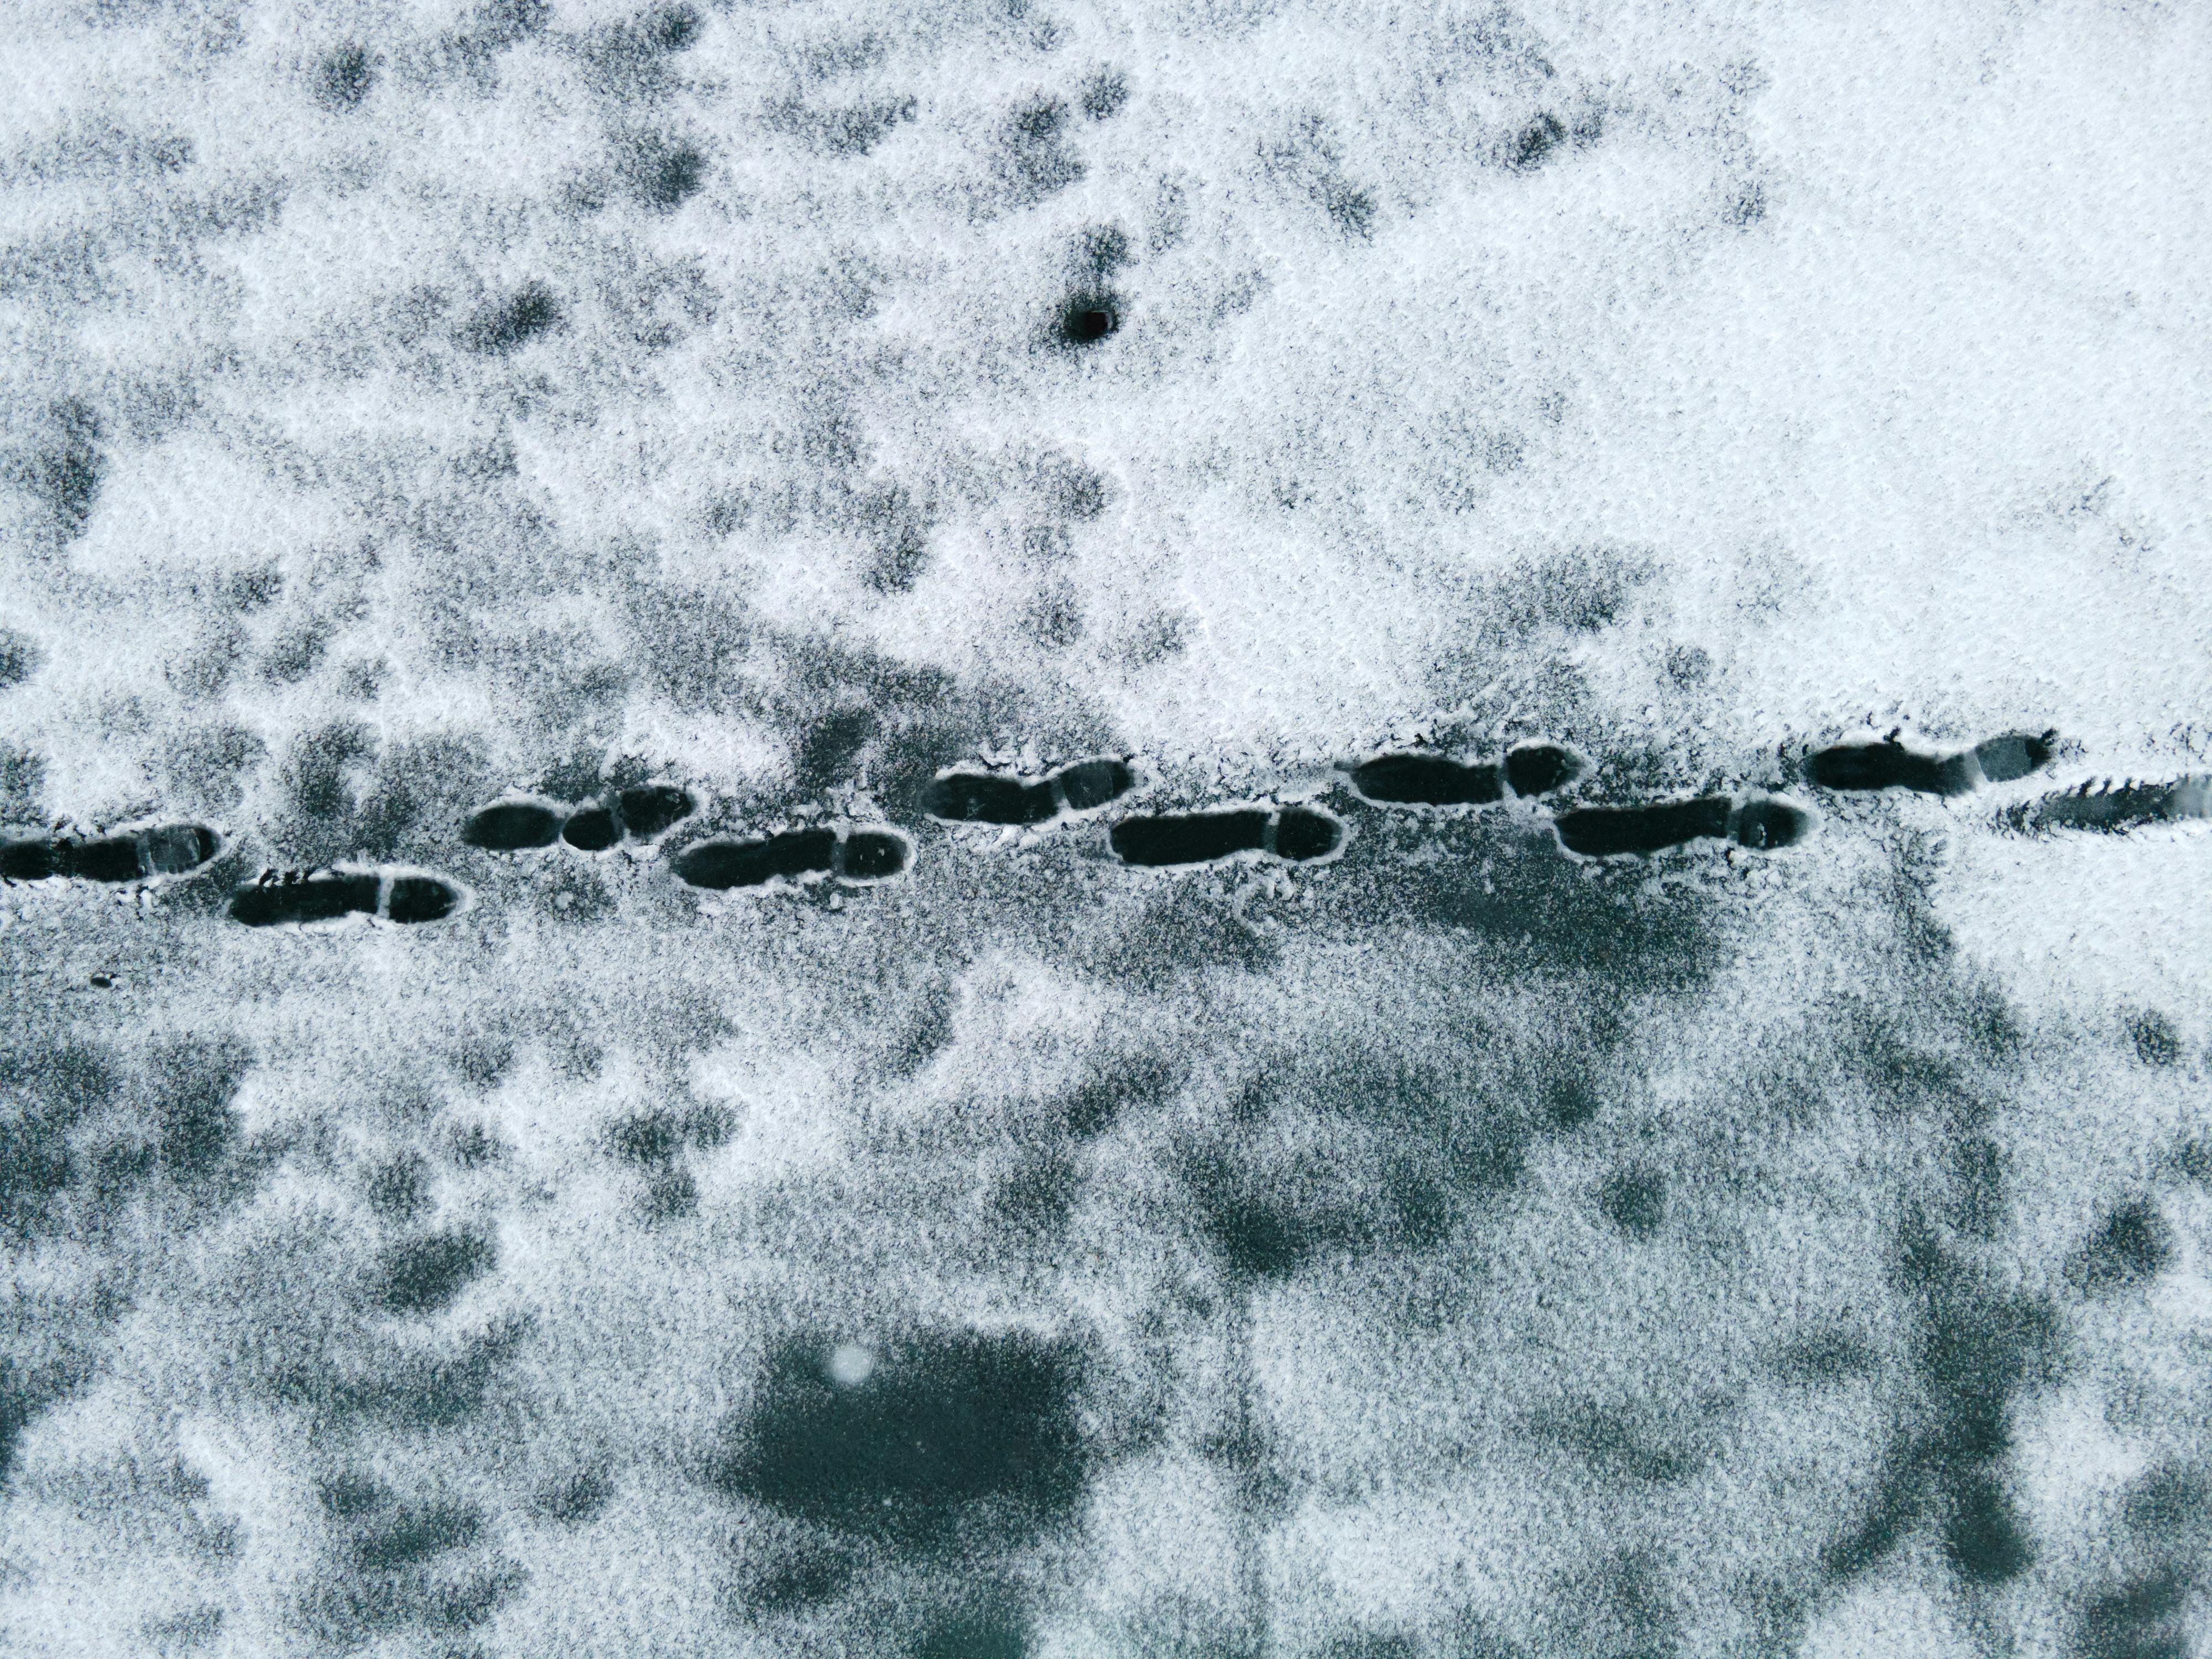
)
(1054, 828)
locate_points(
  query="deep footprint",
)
(1408, 780)
(2114, 809)
(989, 797)
(970, 796)
(1598, 832)
(1890, 765)
(1420, 778)
(653, 810)
(873, 855)
(863, 855)
(516, 826)
(592, 830)
(335, 895)
(719, 866)
(1088, 785)
(149, 855)
(1299, 834)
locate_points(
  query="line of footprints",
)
(1411, 779)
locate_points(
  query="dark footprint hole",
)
(872, 854)
(988, 797)
(655, 808)
(1094, 783)
(422, 898)
(2014, 755)
(513, 827)
(175, 848)
(1599, 832)
(718, 865)
(27, 858)
(1537, 768)
(318, 898)
(1766, 825)
(592, 829)
(114, 857)
(1428, 780)
(428, 1274)
(1088, 319)
(1188, 837)
(1887, 766)
(1302, 834)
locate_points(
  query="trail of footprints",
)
(1412, 779)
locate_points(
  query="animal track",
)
(1890, 765)
(970, 796)
(1296, 834)
(1762, 822)
(2116, 808)
(294, 900)
(1417, 778)
(155, 853)
(523, 825)
(859, 857)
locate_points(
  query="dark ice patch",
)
(2155, 1038)
(1427, 779)
(1182, 838)
(512, 826)
(949, 1436)
(1634, 1200)
(853, 130)
(2134, 1243)
(344, 78)
(324, 897)
(1983, 1533)
(426, 1275)
(1606, 831)
(718, 865)
(21, 656)
(1103, 93)
(578, 1500)
(414, 1532)
(646, 1139)
(194, 1081)
(668, 173)
(2147, 1617)
(829, 745)
(398, 1189)
(532, 311)
(992, 1632)
(1534, 144)
(66, 471)
(1034, 160)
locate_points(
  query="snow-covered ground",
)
(1447, 1248)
